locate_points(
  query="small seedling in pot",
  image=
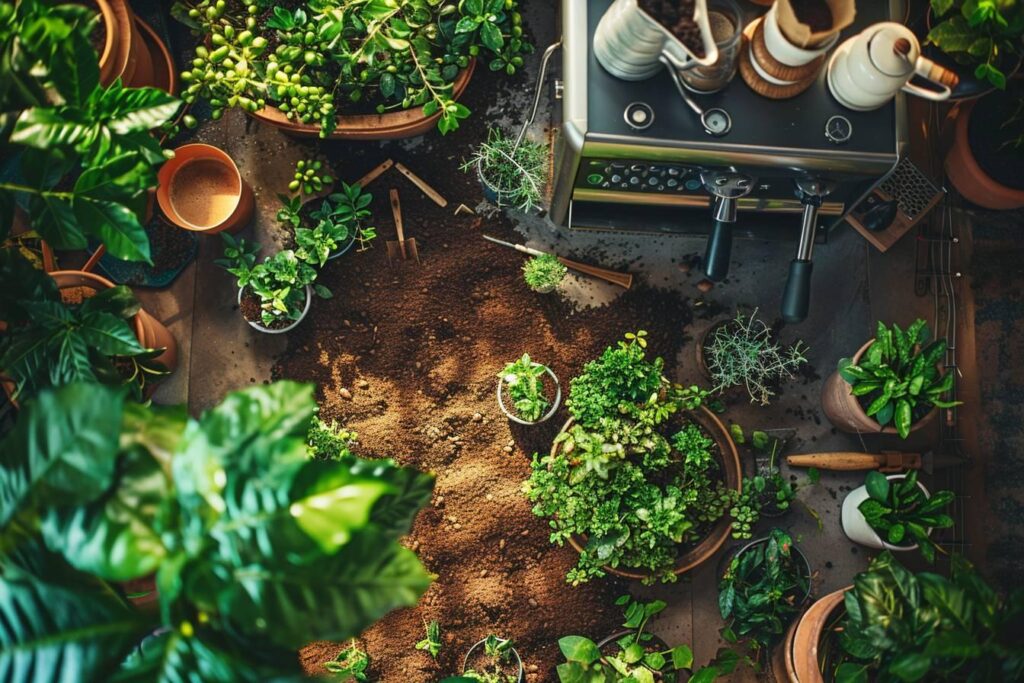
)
(497, 662)
(544, 272)
(513, 176)
(350, 664)
(432, 642)
(902, 513)
(524, 383)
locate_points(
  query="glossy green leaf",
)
(579, 649)
(877, 485)
(117, 227)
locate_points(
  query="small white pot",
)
(856, 527)
(786, 52)
(289, 328)
(554, 403)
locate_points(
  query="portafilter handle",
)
(726, 187)
(796, 298)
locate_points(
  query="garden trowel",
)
(886, 461)
(400, 248)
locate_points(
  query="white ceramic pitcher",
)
(868, 69)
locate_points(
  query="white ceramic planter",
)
(856, 527)
(551, 411)
(289, 328)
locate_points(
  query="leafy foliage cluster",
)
(431, 642)
(329, 441)
(350, 664)
(311, 60)
(76, 155)
(544, 272)
(763, 590)
(986, 33)
(48, 342)
(617, 480)
(256, 548)
(901, 513)
(498, 659)
(744, 352)
(516, 173)
(523, 379)
(925, 627)
(898, 375)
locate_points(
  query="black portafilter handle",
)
(796, 298)
(719, 251)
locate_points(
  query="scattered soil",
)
(407, 355)
(72, 296)
(677, 17)
(251, 311)
(814, 13)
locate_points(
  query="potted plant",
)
(893, 384)
(350, 664)
(529, 387)
(984, 162)
(274, 296)
(894, 625)
(71, 326)
(253, 557)
(895, 512)
(633, 654)
(984, 36)
(544, 272)
(303, 68)
(512, 171)
(641, 479)
(762, 589)
(493, 660)
(743, 351)
(76, 155)
(324, 227)
(202, 190)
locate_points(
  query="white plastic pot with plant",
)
(544, 272)
(528, 392)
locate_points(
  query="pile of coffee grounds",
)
(677, 17)
(408, 356)
(815, 14)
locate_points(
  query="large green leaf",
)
(117, 227)
(20, 281)
(51, 633)
(409, 491)
(156, 429)
(109, 334)
(134, 110)
(43, 128)
(579, 649)
(63, 447)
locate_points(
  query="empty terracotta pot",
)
(117, 23)
(201, 189)
(799, 651)
(980, 164)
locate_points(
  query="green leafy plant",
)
(524, 381)
(350, 664)
(901, 513)
(432, 642)
(315, 60)
(279, 282)
(544, 272)
(76, 155)
(630, 495)
(498, 662)
(925, 627)
(516, 174)
(637, 655)
(762, 591)
(329, 441)
(744, 352)
(255, 549)
(898, 376)
(49, 342)
(986, 33)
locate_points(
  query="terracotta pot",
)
(844, 411)
(733, 473)
(163, 72)
(405, 123)
(702, 364)
(795, 660)
(140, 61)
(116, 16)
(245, 201)
(967, 175)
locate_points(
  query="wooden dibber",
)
(624, 280)
(849, 461)
(401, 248)
(375, 173)
(434, 195)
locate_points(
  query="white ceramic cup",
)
(786, 52)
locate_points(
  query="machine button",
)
(652, 181)
(616, 178)
(673, 171)
(692, 184)
(595, 178)
(636, 168)
(635, 180)
(671, 182)
(661, 188)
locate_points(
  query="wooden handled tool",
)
(402, 247)
(434, 195)
(375, 173)
(887, 461)
(624, 280)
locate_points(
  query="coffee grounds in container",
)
(813, 13)
(677, 17)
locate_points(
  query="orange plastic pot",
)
(241, 193)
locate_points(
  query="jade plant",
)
(314, 61)
(523, 381)
(762, 590)
(897, 378)
(515, 174)
(254, 548)
(544, 272)
(634, 479)
(50, 342)
(744, 352)
(901, 513)
(635, 655)
(77, 156)
(901, 626)
(985, 34)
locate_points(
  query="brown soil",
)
(76, 295)
(814, 13)
(251, 311)
(408, 355)
(677, 17)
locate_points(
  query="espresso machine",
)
(637, 152)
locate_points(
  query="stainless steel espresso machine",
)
(637, 152)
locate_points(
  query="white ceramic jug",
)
(868, 69)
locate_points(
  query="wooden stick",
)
(396, 211)
(375, 173)
(422, 184)
(852, 461)
(624, 280)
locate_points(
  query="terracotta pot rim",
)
(171, 168)
(103, 283)
(702, 365)
(117, 16)
(396, 124)
(962, 165)
(719, 532)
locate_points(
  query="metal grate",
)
(913, 191)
